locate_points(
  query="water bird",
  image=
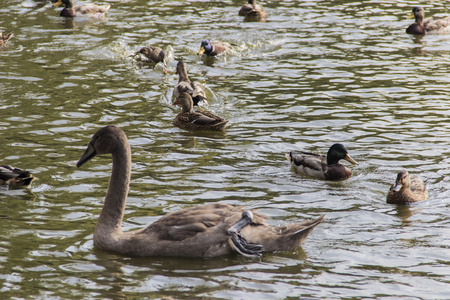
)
(200, 231)
(407, 189)
(4, 38)
(251, 9)
(213, 48)
(15, 177)
(321, 166)
(194, 88)
(87, 10)
(189, 119)
(155, 54)
(429, 25)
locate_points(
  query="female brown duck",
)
(407, 189)
(201, 231)
(194, 88)
(87, 10)
(196, 120)
(429, 25)
(251, 9)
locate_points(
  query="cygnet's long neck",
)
(110, 221)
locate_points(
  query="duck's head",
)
(185, 101)
(403, 180)
(338, 152)
(106, 140)
(205, 47)
(417, 13)
(67, 3)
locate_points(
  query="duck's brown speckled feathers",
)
(193, 88)
(213, 48)
(196, 120)
(407, 189)
(4, 38)
(87, 10)
(15, 177)
(321, 166)
(252, 10)
(155, 54)
(423, 26)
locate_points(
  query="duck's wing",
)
(307, 163)
(183, 87)
(91, 9)
(437, 25)
(418, 187)
(198, 90)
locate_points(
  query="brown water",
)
(314, 73)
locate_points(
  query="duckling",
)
(407, 189)
(4, 38)
(429, 25)
(155, 54)
(88, 10)
(200, 120)
(213, 48)
(194, 88)
(321, 166)
(15, 177)
(252, 10)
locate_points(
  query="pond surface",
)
(312, 74)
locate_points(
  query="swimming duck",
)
(4, 38)
(252, 10)
(213, 48)
(15, 177)
(321, 166)
(196, 120)
(194, 88)
(201, 231)
(155, 54)
(407, 189)
(428, 25)
(88, 10)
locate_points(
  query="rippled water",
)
(313, 73)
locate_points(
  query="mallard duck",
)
(194, 88)
(202, 231)
(213, 48)
(321, 166)
(252, 10)
(88, 10)
(196, 120)
(155, 54)
(15, 177)
(428, 25)
(407, 189)
(4, 38)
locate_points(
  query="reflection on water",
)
(312, 74)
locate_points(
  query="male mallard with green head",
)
(429, 25)
(87, 10)
(407, 189)
(213, 48)
(189, 119)
(321, 166)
